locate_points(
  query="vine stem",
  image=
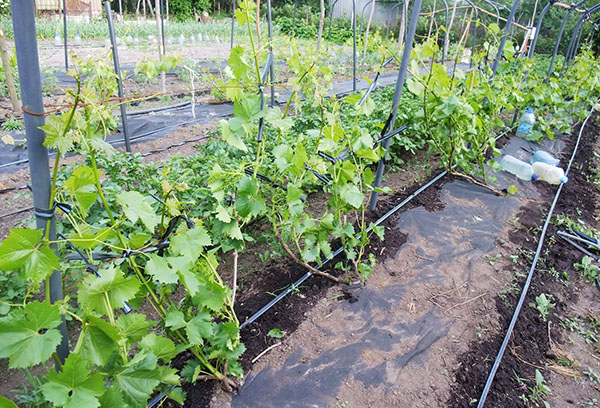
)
(477, 182)
(301, 262)
(235, 270)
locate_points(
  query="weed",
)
(539, 391)
(588, 270)
(12, 124)
(543, 304)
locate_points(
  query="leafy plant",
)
(588, 269)
(12, 124)
(543, 304)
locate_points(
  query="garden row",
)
(149, 239)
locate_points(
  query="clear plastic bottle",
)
(128, 39)
(544, 157)
(77, 39)
(519, 168)
(136, 40)
(170, 39)
(550, 174)
(199, 37)
(57, 40)
(181, 39)
(526, 123)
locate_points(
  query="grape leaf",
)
(160, 269)
(93, 290)
(6, 403)
(136, 208)
(175, 320)
(81, 186)
(351, 195)
(191, 242)
(54, 129)
(75, 386)
(161, 347)
(199, 328)
(138, 379)
(97, 341)
(23, 249)
(232, 135)
(210, 295)
(29, 336)
(134, 326)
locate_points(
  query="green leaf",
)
(139, 379)
(248, 108)
(160, 270)
(161, 347)
(275, 333)
(231, 137)
(137, 208)
(199, 328)
(184, 267)
(97, 340)
(6, 403)
(23, 249)
(283, 156)
(237, 63)
(246, 206)
(88, 239)
(247, 186)
(351, 195)
(75, 386)
(175, 320)
(93, 291)
(54, 128)
(134, 326)
(29, 336)
(512, 189)
(81, 185)
(210, 295)
(191, 243)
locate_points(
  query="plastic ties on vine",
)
(391, 134)
(88, 266)
(264, 178)
(64, 207)
(44, 213)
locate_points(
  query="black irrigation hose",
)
(16, 212)
(515, 316)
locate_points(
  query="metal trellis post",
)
(111, 31)
(31, 94)
(408, 45)
(509, 23)
(65, 34)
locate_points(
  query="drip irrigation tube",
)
(515, 316)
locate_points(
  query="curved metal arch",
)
(395, 6)
(560, 33)
(538, 26)
(576, 36)
(491, 3)
(474, 30)
(331, 18)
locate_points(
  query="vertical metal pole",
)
(537, 29)
(111, 31)
(271, 69)
(354, 46)
(408, 45)
(331, 19)
(31, 94)
(65, 34)
(232, 22)
(509, 22)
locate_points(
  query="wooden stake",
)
(10, 82)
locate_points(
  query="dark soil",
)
(529, 346)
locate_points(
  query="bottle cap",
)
(564, 179)
(534, 177)
(529, 109)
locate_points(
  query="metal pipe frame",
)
(446, 27)
(331, 19)
(271, 69)
(362, 13)
(474, 31)
(394, 7)
(538, 27)
(65, 35)
(560, 33)
(28, 65)
(115, 52)
(294, 18)
(397, 94)
(576, 36)
(491, 3)
(234, 5)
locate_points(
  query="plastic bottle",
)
(77, 39)
(128, 39)
(199, 37)
(550, 174)
(170, 39)
(192, 39)
(181, 39)
(544, 157)
(519, 168)
(57, 40)
(136, 40)
(526, 123)
(107, 42)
